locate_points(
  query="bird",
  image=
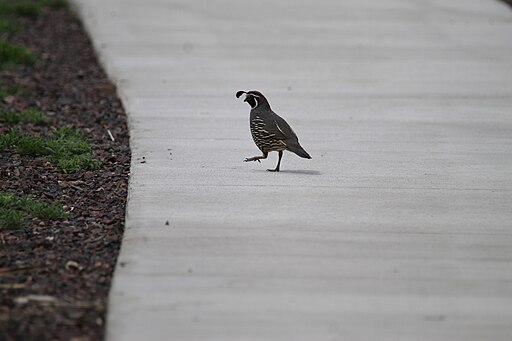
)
(270, 131)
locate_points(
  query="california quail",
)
(269, 131)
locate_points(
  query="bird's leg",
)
(278, 163)
(256, 158)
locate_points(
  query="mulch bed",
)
(55, 275)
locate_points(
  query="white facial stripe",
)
(255, 104)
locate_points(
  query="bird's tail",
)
(297, 149)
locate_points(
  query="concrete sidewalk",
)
(399, 228)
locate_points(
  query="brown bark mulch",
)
(55, 275)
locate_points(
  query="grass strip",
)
(13, 54)
(14, 89)
(28, 9)
(30, 115)
(65, 147)
(6, 26)
(15, 210)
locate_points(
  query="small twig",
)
(13, 286)
(48, 300)
(111, 136)
(18, 269)
(42, 299)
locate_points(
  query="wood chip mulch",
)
(55, 275)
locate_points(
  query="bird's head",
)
(254, 98)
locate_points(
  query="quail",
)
(269, 131)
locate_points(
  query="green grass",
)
(31, 115)
(29, 9)
(11, 90)
(13, 54)
(15, 210)
(6, 8)
(6, 26)
(32, 146)
(10, 218)
(54, 3)
(8, 139)
(70, 150)
(64, 147)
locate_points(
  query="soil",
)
(55, 275)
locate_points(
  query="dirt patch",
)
(55, 275)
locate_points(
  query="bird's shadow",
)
(297, 171)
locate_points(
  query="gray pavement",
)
(399, 228)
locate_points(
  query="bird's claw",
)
(251, 159)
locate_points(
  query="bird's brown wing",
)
(280, 129)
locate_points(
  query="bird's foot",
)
(273, 170)
(254, 158)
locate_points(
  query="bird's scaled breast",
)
(265, 140)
